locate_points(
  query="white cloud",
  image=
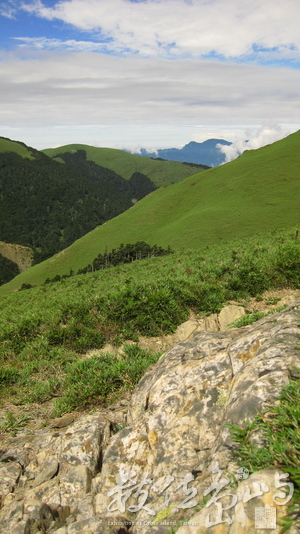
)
(42, 43)
(176, 28)
(86, 88)
(137, 149)
(266, 135)
(9, 13)
(149, 84)
(9, 9)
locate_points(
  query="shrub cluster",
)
(125, 254)
(279, 429)
(47, 327)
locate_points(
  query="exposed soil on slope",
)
(22, 256)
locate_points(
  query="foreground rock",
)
(173, 464)
(210, 323)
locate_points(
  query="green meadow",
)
(6, 145)
(258, 192)
(161, 173)
(47, 331)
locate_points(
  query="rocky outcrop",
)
(230, 314)
(210, 323)
(166, 461)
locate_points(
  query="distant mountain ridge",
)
(257, 192)
(205, 153)
(46, 203)
(161, 173)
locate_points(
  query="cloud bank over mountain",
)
(266, 135)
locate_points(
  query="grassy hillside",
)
(257, 192)
(45, 331)
(6, 145)
(161, 173)
(47, 206)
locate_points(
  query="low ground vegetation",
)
(122, 254)
(279, 428)
(250, 318)
(48, 331)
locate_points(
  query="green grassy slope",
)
(46, 331)
(6, 145)
(258, 192)
(160, 172)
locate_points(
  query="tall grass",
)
(45, 332)
(279, 428)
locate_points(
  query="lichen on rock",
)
(175, 453)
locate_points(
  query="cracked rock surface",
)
(85, 478)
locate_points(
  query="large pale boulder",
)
(173, 465)
(185, 330)
(230, 314)
(256, 504)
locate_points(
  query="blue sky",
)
(151, 73)
(26, 25)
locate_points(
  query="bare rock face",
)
(173, 463)
(229, 314)
(255, 504)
